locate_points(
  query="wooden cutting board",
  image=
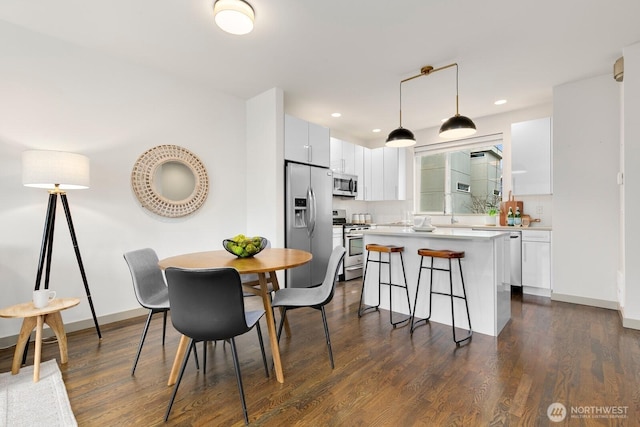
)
(510, 203)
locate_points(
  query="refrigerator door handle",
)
(311, 196)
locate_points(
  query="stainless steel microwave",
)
(345, 185)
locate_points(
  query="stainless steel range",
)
(352, 241)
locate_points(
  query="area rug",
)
(25, 403)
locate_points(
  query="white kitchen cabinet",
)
(388, 170)
(531, 145)
(343, 156)
(359, 169)
(306, 142)
(366, 182)
(536, 259)
(394, 173)
(377, 170)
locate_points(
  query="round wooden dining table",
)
(268, 261)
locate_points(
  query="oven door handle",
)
(353, 236)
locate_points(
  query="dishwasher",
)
(515, 251)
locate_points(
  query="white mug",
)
(43, 297)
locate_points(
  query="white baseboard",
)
(628, 322)
(593, 302)
(11, 340)
(528, 290)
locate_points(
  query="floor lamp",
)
(57, 171)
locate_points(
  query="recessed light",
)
(500, 102)
(336, 114)
(376, 130)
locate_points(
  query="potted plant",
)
(492, 216)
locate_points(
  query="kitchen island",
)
(485, 268)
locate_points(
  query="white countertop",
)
(477, 227)
(440, 233)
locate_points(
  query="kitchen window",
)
(458, 177)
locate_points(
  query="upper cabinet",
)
(531, 144)
(385, 172)
(343, 156)
(394, 175)
(306, 142)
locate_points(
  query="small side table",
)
(36, 318)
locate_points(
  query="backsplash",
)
(384, 212)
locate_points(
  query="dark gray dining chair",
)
(208, 305)
(317, 297)
(150, 289)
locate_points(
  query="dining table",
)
(265, 265)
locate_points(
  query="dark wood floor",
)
(550, 352)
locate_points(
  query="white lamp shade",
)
(46, 169)
(234, 16)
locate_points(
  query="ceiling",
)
(349, 56)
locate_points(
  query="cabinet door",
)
(531, 157)
(390, 191)
(359, 169)
(377, 171)
(536, 264)
(319, 145)
(366, 182)
(296, 139)
(336, 155)
(349, 157)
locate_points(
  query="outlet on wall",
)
(539, 209)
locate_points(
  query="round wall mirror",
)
(170, 181)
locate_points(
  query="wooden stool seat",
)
(448, 255)
(389, 250)
(441, 253)
(384, 248)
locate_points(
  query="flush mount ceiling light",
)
(456, 127)
(234, 16)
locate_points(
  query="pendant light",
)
(400, 137)
(234, 16)
(456, 127)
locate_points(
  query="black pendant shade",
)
(457, 127)
(400, 137)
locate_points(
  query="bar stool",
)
(448, 255)
(388, 249)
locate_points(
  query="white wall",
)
(585, 165)
(631, 138)
(61, 97)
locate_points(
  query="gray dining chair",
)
(317, 297)
(150, 290)
(208, 305)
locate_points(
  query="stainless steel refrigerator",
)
(308, 221)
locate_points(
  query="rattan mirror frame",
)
(143, 186)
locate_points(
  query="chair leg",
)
(195, 355)
(326, 333)
(464, 297)
(361, 309)
(236, 365)
(190, 347)
(144, 335)
(282, 320)
(204, 357)
(264, 357)
(164, 326)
